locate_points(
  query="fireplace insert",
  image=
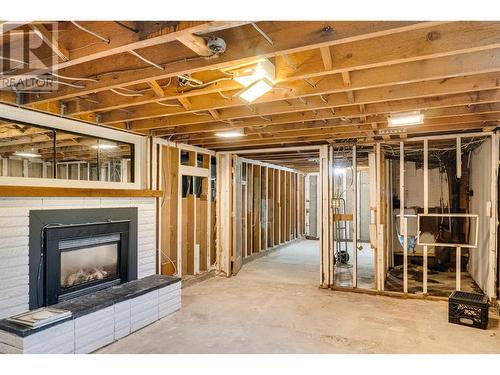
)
(83, 258)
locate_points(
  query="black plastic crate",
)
(468, 309)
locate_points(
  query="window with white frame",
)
(32, 151)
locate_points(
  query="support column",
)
(325, 256)
(426, 211)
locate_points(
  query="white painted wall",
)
(414, 185)
(14, 232)
(480, 176)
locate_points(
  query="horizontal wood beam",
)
(242, 48)
(418, 73)
(120, 42)
(51, 40)
(369, 96)
(39, 191)
(319, 138)
(431, 116)
(334, 130)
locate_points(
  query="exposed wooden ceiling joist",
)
(336, 82)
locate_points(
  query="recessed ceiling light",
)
(406, 118)
(27, 154)
(256, 90)
(231, 133)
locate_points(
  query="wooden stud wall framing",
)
(185, 237)
(269, 198)
(380, 204)
(277, 207)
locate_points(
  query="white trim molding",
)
(29, 116)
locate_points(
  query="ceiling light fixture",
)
(249, 75)
(339, 171)
(231, 133)
(406, 118)
(256, 90)
(105, 146)
(27, 154)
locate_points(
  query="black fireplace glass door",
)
(89, 264)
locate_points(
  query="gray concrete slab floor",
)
(274, 305)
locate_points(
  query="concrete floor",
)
(275, 306)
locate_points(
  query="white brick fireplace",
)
(14, 237)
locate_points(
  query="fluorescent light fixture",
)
(27, 154)
(256, 90)
(231, 133)
(263, 69)
(406, 118)
(105, 146)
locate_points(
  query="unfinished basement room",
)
(232, 186)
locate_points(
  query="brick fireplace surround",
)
(98, 318)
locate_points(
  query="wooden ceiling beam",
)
(419, 71)
(241, 48)
(195, 43)
(368, 96)
(120, 42)
(337, 126)
(51, 40)
(322, 138)
(459, 105)
(326, 56)
(376, 121)
(420, 44)
(156, 89)
(215, 114)
(186, 103)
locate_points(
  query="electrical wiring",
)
(90, 32)
(41, 258)
(201, 114)
(120, 71)
(87, 45)
(168, 105)
(73, 78)
(204, 84)
(124, 94)
(147, 61)
(224, 96)
(63, 83)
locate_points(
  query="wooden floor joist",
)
(335, 82)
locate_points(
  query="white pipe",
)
(91, 32)
(146, 60)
